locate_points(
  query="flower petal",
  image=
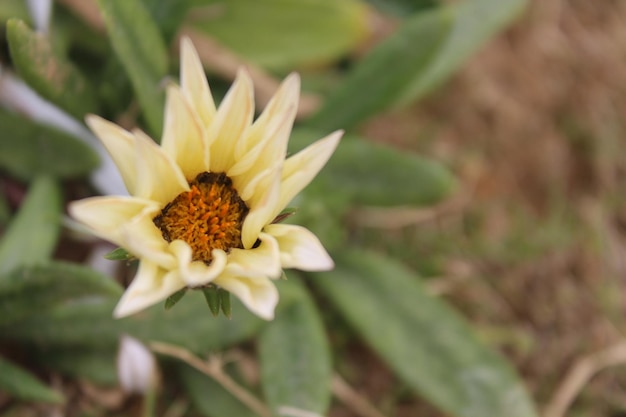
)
(299, 248)
(232, 119)
(264, 260)
(142, 238)
(121, 146)
(196, 273)
(106, 216)
(158, 177)
(262, 208)
(300, 169)
(258, 294)
(151, 285)
(194, 83)
(271, 128)
(182, 136)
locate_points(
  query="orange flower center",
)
(208, 216)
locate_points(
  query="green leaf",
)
(31, 290)
(366, 173)
(173, 299)
(402, 8)
(423, 340)
(319, 31)
(473, 23)
(220, 403)
(98, 366)
(88, 324)
(48, 72)
(295, 357)
(22, 385)
(13, 9)
(381, 77)
(32, 234)
(31, 150)
(138, 45)
(415, 60)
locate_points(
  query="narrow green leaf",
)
(381, 77)
(30, 290)
(19, 383)
(415, 60)
(220, 403)
(402, 8)
(49, 73)
(295, 357)
(138, 45)
(473, 23)
(212, 299)
(31, 150)
(175, 298)
(225, 302)
(89, 324)
(373, 174)
(32, 235)
(425, 342)
(93, 365)
(118, 254)
(319, 31)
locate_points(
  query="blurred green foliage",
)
(61, 312)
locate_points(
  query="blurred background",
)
(523, 232)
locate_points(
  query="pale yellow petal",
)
(258, 294)
(300, 169)
(158, 177)
(232, 119)
(142, 238)
(106, 216)
(299, 248)
(182, 135)
(196, 273)
(284, 101)
(263, 260)
(262, 208)
(150, 286)
(194, 83)
(121, 146)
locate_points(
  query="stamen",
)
(208, 216)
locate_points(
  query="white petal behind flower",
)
(203, 203)
(137, 370)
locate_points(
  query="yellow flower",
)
(202, 204)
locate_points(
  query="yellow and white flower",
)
(202, 204)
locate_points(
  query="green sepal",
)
(225, 302)
(175, 298)
(119, 254)
(212, 299)
(287, 212)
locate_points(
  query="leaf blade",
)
(426, 343)
(23, 385)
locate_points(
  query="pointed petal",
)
(194, 83)
(142, 238)
(263, 260)
(182, 136)
(262, 209)
(284, 101)
(158, 177)
(151, 285)
(299, 248)
(233, 117)
(258, 294)
(196, 273)
(121, 146)
(106, 216)
(300, 169)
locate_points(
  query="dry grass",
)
(534, 125)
